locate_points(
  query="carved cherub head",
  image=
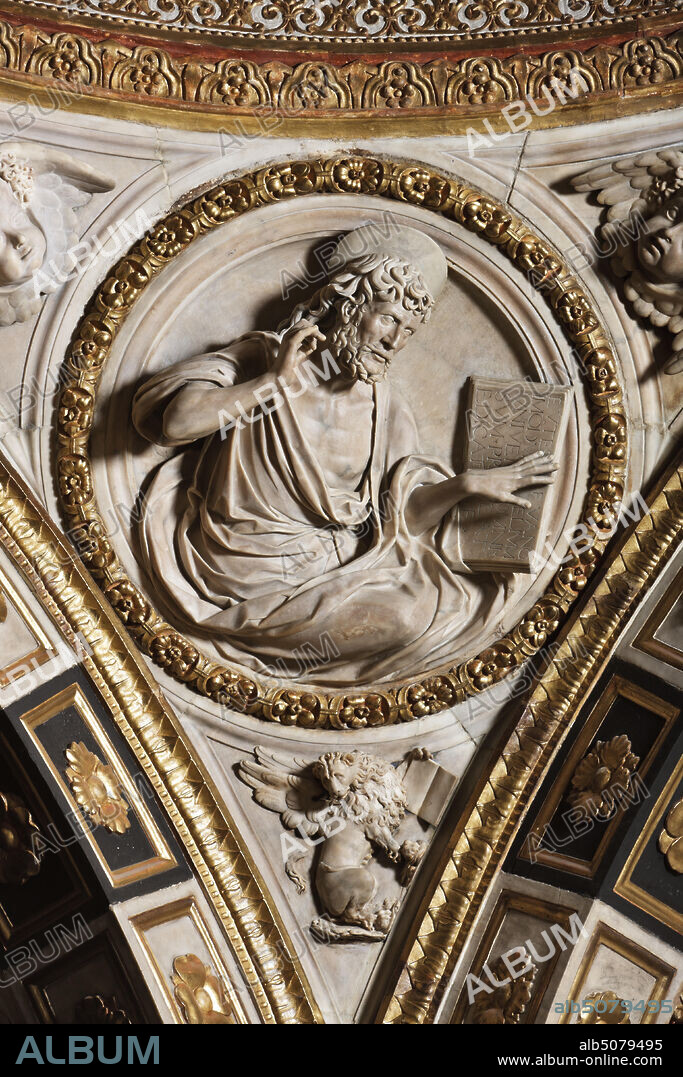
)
(660, 247)
(386, 287)
(40, 189)
(643, 234)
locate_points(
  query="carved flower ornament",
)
(96, 788)
(608, 765)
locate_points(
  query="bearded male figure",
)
(327, 478)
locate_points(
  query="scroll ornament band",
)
(357, 20)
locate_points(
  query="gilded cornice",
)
(482, 835)
(279, 92)
(364, 23)
(250, 920)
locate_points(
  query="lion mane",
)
(376, 799)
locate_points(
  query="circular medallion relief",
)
(301, 560)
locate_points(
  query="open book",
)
(507, 420)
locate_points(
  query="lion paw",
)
(413, 851)
(385, 915)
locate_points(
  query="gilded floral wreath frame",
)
(418, 186)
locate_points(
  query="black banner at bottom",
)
(507, 1048)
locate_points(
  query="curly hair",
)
(665, 187)
(18, 175)
(369, 277)
(376, 798)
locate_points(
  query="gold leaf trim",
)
(250, 919)
(267, 958)
(369, 22)
(96, 788)
(277, 94)
(480, 841)
(670, 841)
(116, 297)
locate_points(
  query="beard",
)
(358, 361)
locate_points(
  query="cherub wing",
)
(298, 798)
(60, 184)
(46, 160)
(623, 184)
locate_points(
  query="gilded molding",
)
(525, 1002)
(669, 842)
(207, 832)
(638, 891)
(606, 937)
(274, 94)
(199, 992)
(414, 185)
(481, 838)
(36, 655)
(250, 921)
(349, 21)
(97, 792)
(96, 788)
(607, 803)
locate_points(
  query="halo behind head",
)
(408, 245)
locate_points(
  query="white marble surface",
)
(151, 170)
(155, 945)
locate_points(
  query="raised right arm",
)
(196, 411)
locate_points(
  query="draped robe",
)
(281, 563)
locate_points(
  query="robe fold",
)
(285, 568)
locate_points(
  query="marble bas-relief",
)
(505, 420)
(314, 514)
(350, 806)
(643, 232)
(40, 190)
